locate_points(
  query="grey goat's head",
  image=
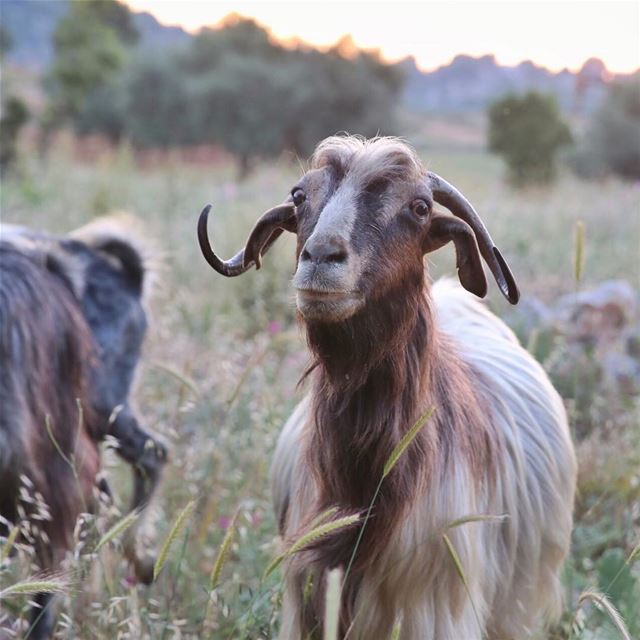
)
(105, 270)
(364, 218)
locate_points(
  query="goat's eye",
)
(420, 208)
(299, 196)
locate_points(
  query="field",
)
(223, 357)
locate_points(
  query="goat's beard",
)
(349, 350)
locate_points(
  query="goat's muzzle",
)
(328, 306)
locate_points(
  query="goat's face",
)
(356, 239)
(364, 219)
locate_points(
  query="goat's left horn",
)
(448, 196)
(265, 232)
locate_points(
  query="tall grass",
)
(181, 522)
(332, 604)
(390, 463)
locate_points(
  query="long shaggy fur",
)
(387, 348)
(498, 444)
(46, 351)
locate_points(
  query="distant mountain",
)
(466, 84)
(31, 24)
(470, 84)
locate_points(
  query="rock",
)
(622, 372)
(604, 322)
(597, 316)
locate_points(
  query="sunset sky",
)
(555, 34)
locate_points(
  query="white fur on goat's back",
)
(285, 459)
(537, 484)
(511, 567)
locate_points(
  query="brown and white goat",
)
(386, 347)
(71, 329)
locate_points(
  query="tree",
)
(90, 49)
(338, 91)
(112, 14)
(257, 98)
(159, 108)
(242, 106)
(15, 114)
(105, 111)
(235, 87)
(528, 131)
(14, 117)
(612, 140)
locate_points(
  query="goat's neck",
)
(371, 384)
(374, 376)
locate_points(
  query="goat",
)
(72, 325)
(386, 346)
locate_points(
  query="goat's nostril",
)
(331, 250)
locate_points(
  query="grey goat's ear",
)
(121, 239)
(72, 266)
(127, 258)
(444, 229)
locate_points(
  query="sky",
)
(552, 33)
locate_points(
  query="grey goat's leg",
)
(147, 456)
(41, 618)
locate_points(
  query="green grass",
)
(219, 373)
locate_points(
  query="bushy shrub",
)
(528, 131)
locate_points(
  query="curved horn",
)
(265, 232)
(448, 196)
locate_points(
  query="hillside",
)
(470, 84)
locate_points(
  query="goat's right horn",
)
(448, 196)
(265, 232)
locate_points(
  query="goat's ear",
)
(444, 229)
(128, 258)
(123, 240)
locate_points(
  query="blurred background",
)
(157, 107)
